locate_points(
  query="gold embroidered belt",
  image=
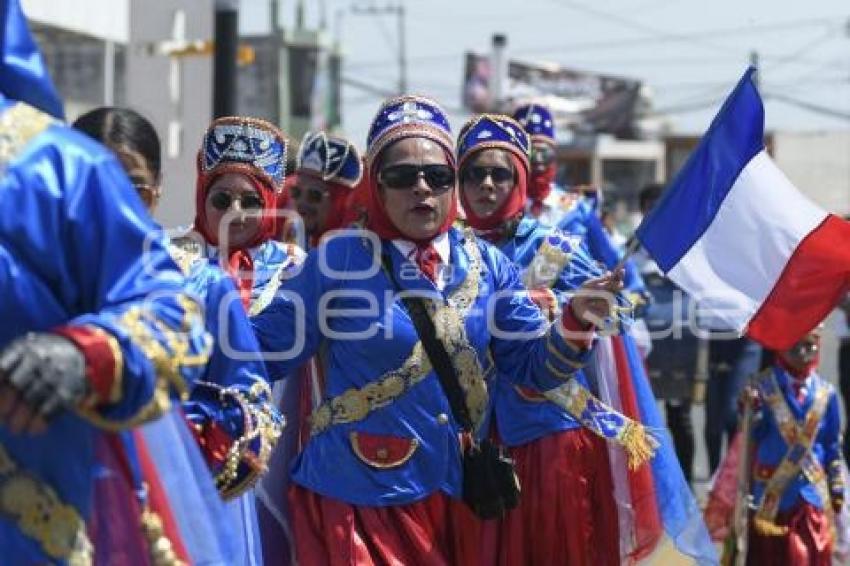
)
(41, 515)
(355, 404)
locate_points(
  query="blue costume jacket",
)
(523, 415)
(71, 254)
(272, 261)
(385, 434)
(771, 446)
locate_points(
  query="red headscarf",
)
(378, 221)
(510, 209)
(240, 264)
(358, 202)
(339, 201)
(539, 187)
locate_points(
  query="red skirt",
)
(808, 542)
(436, 531)
(567, 515)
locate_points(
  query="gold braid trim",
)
(259, 422)
(19, 125)
(632, 436)
(41, 515)
(166, 360)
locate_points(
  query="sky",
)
(690, 53)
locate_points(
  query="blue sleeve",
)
(88, 236)
(526, 348)
(232, 405)
(287, 329)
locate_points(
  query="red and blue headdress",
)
(494, 131)
(537, 121)
(244, 145)
(487, 131)
(333, 159)
(407, 116)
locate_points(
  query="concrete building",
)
(817, 163)
(116, 52)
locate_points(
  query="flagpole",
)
(631, 247)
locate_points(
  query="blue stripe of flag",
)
(693, 198)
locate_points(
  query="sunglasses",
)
(313, 196)
(439, 177)
(542, 154)
(223, 201)
(499, 175)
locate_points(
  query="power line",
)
(816, 108)
(628, 42)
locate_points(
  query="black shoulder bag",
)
(490, 485)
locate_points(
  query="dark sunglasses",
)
(499, 175)
(542, 154)
(314, 196)
(439, 177)
(223, 201)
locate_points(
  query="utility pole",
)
(400, 13)
(224, 57)
(402, 50)
(499, 69)
(754, 61)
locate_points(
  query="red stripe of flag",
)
(815, 278)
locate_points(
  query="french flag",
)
(734, 233)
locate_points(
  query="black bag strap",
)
(436, 351)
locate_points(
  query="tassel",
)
(640, 446)
(161, 550)
(769, 528)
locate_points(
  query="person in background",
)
(100, 334)
(672, 359)
(231, 403)
(795, 478)
(609, 222)
(731, 362)
(241, 174)
(560, 452)
(547, 201)
(329, 169)
(381, 476)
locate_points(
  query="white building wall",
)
(818, 163)
(103, 19)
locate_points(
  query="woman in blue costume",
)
(328, 170)
(380, 478)
(567, 514)
(98, 338)
(655, 507)
(241, 166)
(230, 409)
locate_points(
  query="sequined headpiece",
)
(333, 159)
(537, 121)
(487, 131)
(238, 143)
(408, 116)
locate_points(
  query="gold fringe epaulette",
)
(640, 446)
